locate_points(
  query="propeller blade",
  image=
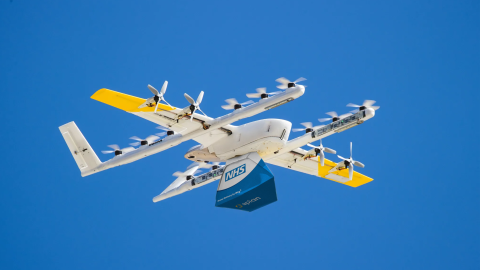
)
(201, 111)
(107, 152)
(368, 103)
(322, 158)
(164, 88)
(306, 124)
(329, 150)
(332, 114)
(161, 134)
(350, 171)
(375, 107)
(324, 119)
(156, 107)
(342, 158)
(282, 80)
(178, 174)
(114, 146)
(353, 105)
(193, 165)
(231, 101)
(359, 164)
(190, 99)
(254, 95)
(262, 90)
(152, 138)
(135, 138)
(162, 128)
(298, 129)
(228, 107)
(350, 150)
(153, 90)
(311, 145)
(135, 144)
(166, 102)
(200, 97)
(301, 79)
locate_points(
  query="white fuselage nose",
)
(263, 136)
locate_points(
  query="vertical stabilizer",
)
(81, 150)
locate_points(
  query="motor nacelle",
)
(237, 106)
(170, 132)
(264, 95)
(308, 130)
(291, 84)
(118, 152)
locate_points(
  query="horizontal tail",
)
(81, 150)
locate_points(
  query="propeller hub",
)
(347, 163)
(170, 132)
(192, 108)
(308, 130)
(264, 95)
(237, 106)
(317, 151)
(118, 152)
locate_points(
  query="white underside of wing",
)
(168, 119)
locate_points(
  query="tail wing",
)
(81, 150)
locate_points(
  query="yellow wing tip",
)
(125, 102)
(358, 178)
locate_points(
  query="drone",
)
(237, 156)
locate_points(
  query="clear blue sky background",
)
(418, 59)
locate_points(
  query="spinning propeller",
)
(117, 150)
(366, 104)
(214, 165)
(308, 127)
(195, 105)
(150, 139)
(319, 151)
(158, 96)
(285, 83)
(334, 117)
(350, 162)
(192, 174)
(233, 104)
(262, 93)
(167, 132)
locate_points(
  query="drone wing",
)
(166, 116)
(293, 160)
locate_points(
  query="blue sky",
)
(419, 59)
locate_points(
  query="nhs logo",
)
(235, 172)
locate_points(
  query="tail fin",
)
(81, 150)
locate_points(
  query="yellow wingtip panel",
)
(357, 180)
(125, 102)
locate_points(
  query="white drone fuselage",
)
(264, 137)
